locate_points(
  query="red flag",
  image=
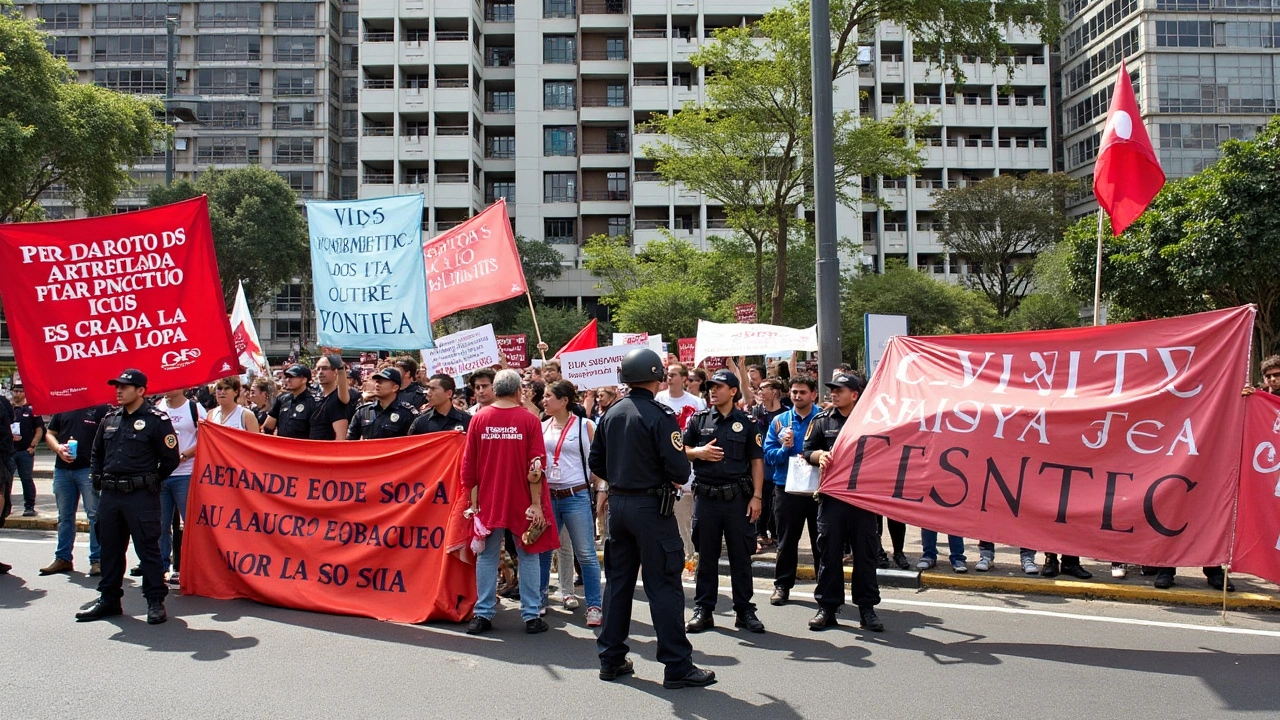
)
(473, 264)
(1128, 174)
(586, 339)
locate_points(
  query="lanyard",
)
(564, 433)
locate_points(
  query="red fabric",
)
(323, 547)
(1257, 544)
(1127, 175)
(686, 348)
(84, 300)
(515, 348)
(473, 264)
(1001, 437)
(501, 442)
(586, 339)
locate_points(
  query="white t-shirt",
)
(236, 420)
(685, 405)
(181, 419)
(572, 463)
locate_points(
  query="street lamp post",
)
(171, 26)
(824, 190)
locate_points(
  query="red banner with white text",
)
(1119, 442)
(1257, 545)
(298, 524)
(515, 348)
(85, 299)
(473, 264)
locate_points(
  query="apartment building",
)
(1204, 71)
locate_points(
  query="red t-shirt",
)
(501, 442)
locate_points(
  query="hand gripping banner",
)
(1119, 442)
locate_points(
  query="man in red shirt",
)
(502, 469)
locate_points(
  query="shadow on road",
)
(15, 594)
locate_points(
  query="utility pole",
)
(824, 191)
(171, 26)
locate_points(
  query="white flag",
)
(245, 335)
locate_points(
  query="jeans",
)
(987, 549)
(487, 579)
(68, 487)
(173, 493)
(929, 544)
(573, 518)
(24, 465)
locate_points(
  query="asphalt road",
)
(944, 655)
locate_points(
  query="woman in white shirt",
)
(568, 437)
(230, 413)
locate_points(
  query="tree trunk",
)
(780, 268)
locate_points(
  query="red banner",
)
(515, 348)
(361, 532)
(87, 298)
(473, 264)
(1118, 442)
(686, 347)
(1257, 545)
(744, 313)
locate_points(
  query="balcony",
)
(452, 191)
(378, 147)
(453, 95)
(378, 52)
(378, 178)
(453, 48)
(650, 47)
(599, 109)
(604, 14)
(651, 93)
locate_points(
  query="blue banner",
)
(367, 268)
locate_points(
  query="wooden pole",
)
(1097, 276)
(536, 331)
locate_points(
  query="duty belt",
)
(655, 492)
(129, 483)
(728, 491)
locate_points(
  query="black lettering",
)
(946, 465)
(1109, 504)
(1011, 499)
(1065, 492)
(1149, 505)
(900, 484)
(858, 454)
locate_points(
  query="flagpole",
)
(1097, 275)
(534, 315)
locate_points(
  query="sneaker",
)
(1118, 571)
(926, 563)
(173, 579)
(595, 616)
(570, 602)
(1029, 566)
(535, 626)
(983, 564)
(29, 512)
(959, 566)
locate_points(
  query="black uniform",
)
(637, 450)
(293, 414)
(132, 454)
(432, 421)
(840, 523)
(329, 410)
(6, 454)
(372, 421)
(414, 394)
(722, 491)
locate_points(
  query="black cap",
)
(388, 373)
(846, 380)
(130, 377)
(296, 371)
(723, 377)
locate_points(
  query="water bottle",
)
(72, 444)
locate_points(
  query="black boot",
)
(747, 619)
(105, 607)
(870, 620)
(701, 620)
(1050, 567)
(155, 612)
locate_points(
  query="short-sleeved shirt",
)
(29, 423)
(329, 411)
(293, 414)
(82, 425)
(432, 421)
(181, 419)
(372, 421)
(736, 434)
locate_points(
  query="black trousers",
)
(839, 524)
(1067, 560)
(793, 513)
(130, 515)
(712, 521)
(897, 533)
(767, 525)
(1209, 571)
(638, 540)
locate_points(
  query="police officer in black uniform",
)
(290, 415)
(840, 523)
(412, 392)
(728, 465)
(134, 451)
(440, 415)
(387, 416)
(638, 451)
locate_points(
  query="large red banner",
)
(473, 264)
(1257, 544)
(1119, 442)
(87, 298)
(364, 531)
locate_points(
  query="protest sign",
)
(653, 342)
(597, 367)
(744, 313)
(85, 299)
(364, 531)
(685, 347)
(367, 268)
(1118, 442)
(1257, 543)
(515, 348)
(473, 264)
(462, 352)
(876, 331)
(732, 340)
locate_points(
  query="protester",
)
(262, 393)
(441, 414)
(502, 470)
(955, 549)
(684, 405)
(481, 384)
(411, 391)
(697, 385)
(29, 431)
(551, 371)
(290, 415)
(531, 395)
(6, 464)
(784, 440)
(987, 558)
(567, 437)
(387, 416)
(1271, 375)
(331, 418)
(229, 412)
(70, 437)
(605, 398)
(185, 416)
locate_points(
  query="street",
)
(945, 654)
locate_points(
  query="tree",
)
(670, 308)
(1052, 304)
(259, 235)
(749, 146)
(558, 325)
(999, 224)
(55, 132)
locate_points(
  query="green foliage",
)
(54, 131)
(259, 234)
(1053, 304)
(671, 308)
(558, 325)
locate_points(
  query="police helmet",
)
(639, 366)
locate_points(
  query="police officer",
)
(387, 416)
(411, 392)
(290, 415)
(840, 523)
(728, 466)
(638, 451)
(440, 415)
(134, 451)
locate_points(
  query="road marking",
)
(38, 542)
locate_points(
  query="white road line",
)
(38, 542)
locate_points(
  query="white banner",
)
(876, 331)
(733, 340)
(654, 342)
(462, 352)
(594, 368)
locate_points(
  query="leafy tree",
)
(259, 235)
(56, 132)
(1052, 304)
(558, 325)
(999, 224)
(671, 308)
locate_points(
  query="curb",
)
(40, 523)
(1100, 591)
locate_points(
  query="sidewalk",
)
(1006, 577)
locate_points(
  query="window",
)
(228, 14)
(560, 141)
(503, 11)
(289, 299)
(294, 115)
(232, 81)
(559, 95)
(217, 150)
(128, 47)
(500, 56)
(224, 47)
(615, 48)
(296, 48)
(1184, 33)
(229, 114)
(559, 231)
(559, 187)
(617, 226)
(303, 183)
(618, 185)
(616, 140)
(559, 8)
(295, 15)
(295, 82)
(60, 16)
(350, 57)
(350, 24)
(500, 101)
(64, 47)
(501, 189)
(138, 82)
(284, 329)
(501, 147)
(616, 95)
(133, 15)
(559, 49)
